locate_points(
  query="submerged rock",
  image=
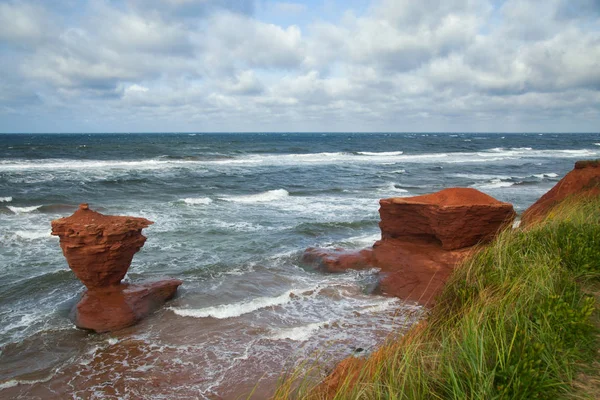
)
(422, 239)
(99, 250)
(582, 181)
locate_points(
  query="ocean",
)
(233, 214)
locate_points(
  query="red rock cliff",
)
(457, 217)
(584, 180)
(99, 249)
(422, 239)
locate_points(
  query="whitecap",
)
(237, 309)
(597, 144)
(22, 210)
(494, 184)
(399, 171)
(271, 195)
(33, 235)
(381, 153)
(5, 199)
(16, 382)
(299, 333)
(197, 200)
(549, 175)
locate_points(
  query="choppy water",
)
(232, 214)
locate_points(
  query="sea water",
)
(232, 213)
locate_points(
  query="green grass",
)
(518, 320)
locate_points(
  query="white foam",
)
(597, 144)
(399, 171)
(495, 184)
(197, 200)
(33, 235)
(382, 153)
(236, 309)
(299, 333)
(549, 175)
(5, 199)
(391, 187)
(23, 210)
(15, 382)
(267, 196)
(382, 306)
(495, 154)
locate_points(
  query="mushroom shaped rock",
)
(99, 250)
(582, 181)
(456, 217)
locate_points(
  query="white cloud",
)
(289, 7)
(399, 65)
(23, 23)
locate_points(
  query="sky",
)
(291, 66)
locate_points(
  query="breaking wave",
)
(267, 196)
(236, 309)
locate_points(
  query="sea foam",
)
(495, 184)
(237, 309)
(197, 200)
(22, 210)
(299, 333)
(382, 153)
(33, 235)
(267, 196)
(5, 199)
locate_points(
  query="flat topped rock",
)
(86, 219)
(99, 248)
(456, 218)
(451, 197)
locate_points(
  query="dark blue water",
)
(232, 214)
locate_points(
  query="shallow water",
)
(232, 214)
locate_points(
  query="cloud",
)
(23, 24)
(289, 8)
(213, 65)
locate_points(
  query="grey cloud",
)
(404, 65)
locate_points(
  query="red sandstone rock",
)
(119, 306)
(99, 249)
(584, 180)
(338, 260)
(423, 239)
(458, 217)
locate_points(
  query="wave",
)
(33, 235)
(263, 197)
(237, 309)
(382, 153)
(5, 199)
(299, 333)
(392, 187)
(197, 200)
(324, 158)
(16, 382)
(548, 175)
(23, 210)
(597, 144)
(495, 184)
